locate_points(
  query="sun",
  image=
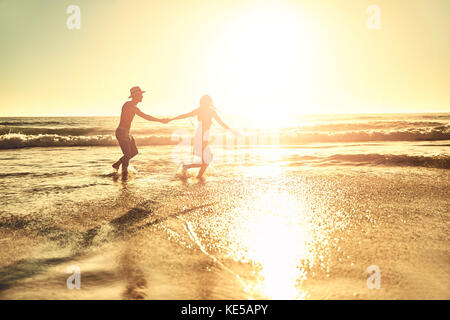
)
(269, 57)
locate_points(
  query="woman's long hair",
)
(206, 102)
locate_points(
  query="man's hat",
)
(134, 91)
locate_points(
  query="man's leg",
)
(126, 149)
(131, 152)
(116, 165)
(133, 148)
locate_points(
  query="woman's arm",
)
(220, 121)
(225, 126)
(186, 115)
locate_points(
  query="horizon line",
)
(230, 114)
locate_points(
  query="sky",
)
(267, 58)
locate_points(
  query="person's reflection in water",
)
(136, 281)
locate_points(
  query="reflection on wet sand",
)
(131, 272)
(277, 237)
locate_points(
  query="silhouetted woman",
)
(205, 113)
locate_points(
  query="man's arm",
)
(147, 117)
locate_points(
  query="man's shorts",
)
(126, 142)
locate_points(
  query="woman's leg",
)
(206, 159)
(206, 156)
(192, 165)
(189, 166)
(202, 170)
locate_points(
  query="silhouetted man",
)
(126, 141)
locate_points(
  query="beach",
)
(302, 216)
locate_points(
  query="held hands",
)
(165, 120)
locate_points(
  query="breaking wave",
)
(164, 137)
(16, 140)
(410, 134)
(99, 131)
(77, 131)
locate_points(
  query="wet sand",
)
(267, 231)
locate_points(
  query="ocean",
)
(298, 211)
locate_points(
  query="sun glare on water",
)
(277, 238)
